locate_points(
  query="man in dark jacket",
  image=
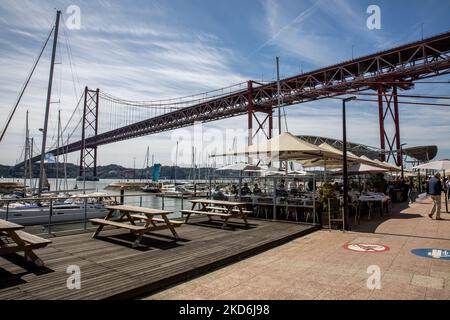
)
(435, 190)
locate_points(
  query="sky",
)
(150, 50)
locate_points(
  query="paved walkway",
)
(318, 267)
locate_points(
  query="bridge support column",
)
(388, 114)
(88, 154)
(264, 124)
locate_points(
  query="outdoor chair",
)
(263, 206)
(292, 209)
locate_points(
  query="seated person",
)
(245, 190)
(256, 190)
(337, 187)
(310, 185)
(293, 190)
(218, 194)
(281, 191)
(234, 189)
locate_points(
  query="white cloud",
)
(136, 60)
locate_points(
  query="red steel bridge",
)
(384, 72)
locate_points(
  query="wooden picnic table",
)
(218, 208)
(371, 199)
(21, 242)
(128, 215)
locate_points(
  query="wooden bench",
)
(223, 209)
(226, 210)
(128, 216)
(206, 213)
(22, 241)
(34, 241)
(175, 223)
(117, 224)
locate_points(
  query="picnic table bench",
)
(128, 215)
(21, 242)
(218, 208)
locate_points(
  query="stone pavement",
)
(318, 267)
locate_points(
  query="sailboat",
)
(64, 208)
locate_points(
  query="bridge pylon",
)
(88, 154)
(264, 123)
(388, 115)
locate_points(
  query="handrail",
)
(72, 197)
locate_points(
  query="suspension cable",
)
(25, 85)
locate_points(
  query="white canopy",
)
(436, 165)
(362, 168)
(387, 165)
(329, 163)
(283, 147)
(240, 167)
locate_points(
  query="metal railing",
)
(53, 206)
(280, 203)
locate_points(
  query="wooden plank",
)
(111, 270)
(207, 213)
(117, 224)
(32, 239)
(6, 225)
(175, 223)
(218, 202)
(134, 209)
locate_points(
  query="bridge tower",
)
(88, 155)
(264, 123)
(388, 114)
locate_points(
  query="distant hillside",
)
(111, 171)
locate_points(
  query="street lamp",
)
(401, 158)
(344, 151)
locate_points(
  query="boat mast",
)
(147, 157)
(26, 156)
(57, 148)
(65, 157)
(32, 184)
(47, 106)
(176, 163)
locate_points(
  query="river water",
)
(147, 200)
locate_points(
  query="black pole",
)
(47, 107)
(401, 156)
(345, 169)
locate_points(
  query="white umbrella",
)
(362, 168)
(441, 165)
(240, 167)
(329, 163)
(283, 147)
(387, 165)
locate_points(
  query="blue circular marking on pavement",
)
(432, 253)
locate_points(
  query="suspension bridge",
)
(107, 119)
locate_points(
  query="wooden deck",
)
(112, 269)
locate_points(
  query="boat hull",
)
(41, 216)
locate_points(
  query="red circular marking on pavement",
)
(366, 247)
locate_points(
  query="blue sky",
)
(148, 50)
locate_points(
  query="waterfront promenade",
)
(318, 266)
(110, 268)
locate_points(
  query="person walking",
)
(435, 190)
(411, 191)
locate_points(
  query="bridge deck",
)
(111, 269)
